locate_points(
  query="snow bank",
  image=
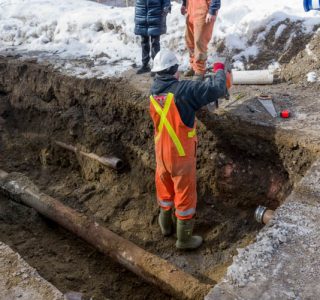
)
(84, 30)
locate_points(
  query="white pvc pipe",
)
(252, 77)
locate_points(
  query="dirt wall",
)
(238, 167)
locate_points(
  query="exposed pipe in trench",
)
(152, 268)
(263, 215)
(109, 161)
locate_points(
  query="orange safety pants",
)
(198, 34)
(175, 147)
(177, 188)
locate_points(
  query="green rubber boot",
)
(165, 221)
(186, 240)
(174, 220)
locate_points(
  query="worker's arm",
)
(214, 7)
(201, 93)
(190, 96)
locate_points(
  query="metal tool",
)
(267, 103)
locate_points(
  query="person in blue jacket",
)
(150, 23)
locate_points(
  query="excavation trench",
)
(238, 168)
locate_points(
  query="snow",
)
(91, 39)
(312, 77)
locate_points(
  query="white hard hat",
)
(164, 60)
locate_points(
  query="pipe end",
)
(259, 212)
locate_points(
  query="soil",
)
(110, 117)
(307, 60)
(284, 48)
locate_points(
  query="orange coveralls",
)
(175, 146)
(198, 34)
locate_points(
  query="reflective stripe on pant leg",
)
(186, 213)
(166, 203)
(164, 187)
(185, 199)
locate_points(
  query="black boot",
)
(144, 69)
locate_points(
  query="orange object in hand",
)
(220, 66)
(228, 80)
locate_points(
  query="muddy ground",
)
(236, 172)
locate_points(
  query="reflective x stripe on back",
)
(164, 122)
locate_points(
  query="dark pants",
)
(145, 44)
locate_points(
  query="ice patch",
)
(279, 31)
(312, 77)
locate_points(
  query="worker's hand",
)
(218, 66)
(183, 10)
(210, 18)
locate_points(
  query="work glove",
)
(183, 10)
(166, 10)
(220, 66)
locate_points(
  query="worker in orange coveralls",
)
(201, 16)
(173, 105)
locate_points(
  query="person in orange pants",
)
(201, 16)
(173, 105)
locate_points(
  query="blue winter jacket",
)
(149, 18)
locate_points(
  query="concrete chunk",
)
(284, 261)
(18, 280)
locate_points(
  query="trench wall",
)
(110, 116)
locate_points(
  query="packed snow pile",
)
(101, 38)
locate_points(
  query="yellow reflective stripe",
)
(166, 123)
(192, 133)
(174, 138)
(159, 111)
(165, 111)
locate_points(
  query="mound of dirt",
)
(277, 42)
(305, 61)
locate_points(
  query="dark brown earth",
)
(237, 170)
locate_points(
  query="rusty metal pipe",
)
(109, 161)
(152, 268)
